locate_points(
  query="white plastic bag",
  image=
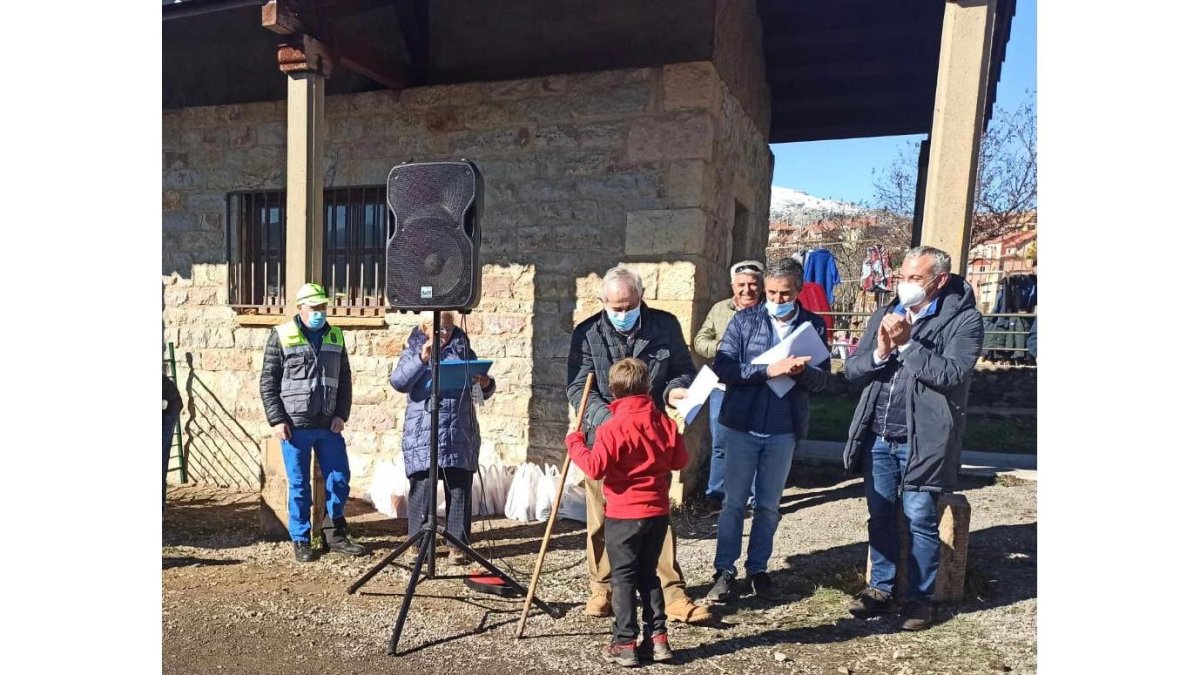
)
(547, 485)
(574, 499)
(521, 503)
(389, 488)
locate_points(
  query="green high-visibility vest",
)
(308, 372)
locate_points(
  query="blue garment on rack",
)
(819, 266)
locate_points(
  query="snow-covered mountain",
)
(796, 207)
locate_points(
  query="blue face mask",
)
(316, 320)
(780, 310)
(624, 321)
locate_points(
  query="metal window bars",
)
(357, 226)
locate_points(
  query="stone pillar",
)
(958, 120)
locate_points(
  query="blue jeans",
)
(763, 463)
(716, 468)
(169, 422)
(882, 480)
(297, 458)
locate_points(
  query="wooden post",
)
(958, 121)
(273, 498)
(954, 531)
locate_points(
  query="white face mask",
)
(910, 294)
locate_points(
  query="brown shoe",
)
(917, 615)
(870, 602)
(687, 611)
(599, 605)
(457, 557)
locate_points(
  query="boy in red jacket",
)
(635, 452)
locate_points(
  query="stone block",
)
(242, 137)
(676, 281)
(687, 182)
(680, 136)
(665, 231)
(954, 530)
(602, 135)
(954, 527)
(184, 179)
(584, 163)
(691, 85)
(271, 134)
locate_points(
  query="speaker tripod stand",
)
(426, 537)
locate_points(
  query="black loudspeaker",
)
(433, 254)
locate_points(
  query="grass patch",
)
(830, 419)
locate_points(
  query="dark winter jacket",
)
(309, 409)
(938, 365)
(458, 426)
(748, 401)
(170, 394)
(596, 346)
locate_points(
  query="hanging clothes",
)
(1005, 336)
(820, 267)
(877, 270)
(813, 299)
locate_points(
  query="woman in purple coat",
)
(458, 430)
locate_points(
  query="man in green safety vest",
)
(305, 387)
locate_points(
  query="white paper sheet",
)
(702, 387)
(802, 341)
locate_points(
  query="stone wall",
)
(582, 172)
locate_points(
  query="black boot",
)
(304, 551)
(338, 539)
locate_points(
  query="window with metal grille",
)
(357, 226)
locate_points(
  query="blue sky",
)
(842, 169)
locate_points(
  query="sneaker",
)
(348, 546)
(870, 602)
(304, 551)
(917, 615)
(656, 648)
(763, 587)
(622, 655)
(722, 589)
(599, 605)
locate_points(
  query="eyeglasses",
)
(746, 268)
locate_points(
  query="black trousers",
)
(633, 548)
(458, 501)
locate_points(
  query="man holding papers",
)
(916, 359)
(771, 356)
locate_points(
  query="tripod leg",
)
(473, 555)
(414, 539)
(427, 537)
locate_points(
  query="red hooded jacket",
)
(634, 453)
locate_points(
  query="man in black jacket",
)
(916, 359)
(305, 387)
(627, 327)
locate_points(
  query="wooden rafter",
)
(316, 45)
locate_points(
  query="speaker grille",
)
(431, 263)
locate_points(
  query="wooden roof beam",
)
(284, 18)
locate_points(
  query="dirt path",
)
(234, 604)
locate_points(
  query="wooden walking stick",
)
(562, 483)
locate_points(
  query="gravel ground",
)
(235, 604)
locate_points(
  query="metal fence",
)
(848, 328)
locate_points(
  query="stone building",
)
(617, 132)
